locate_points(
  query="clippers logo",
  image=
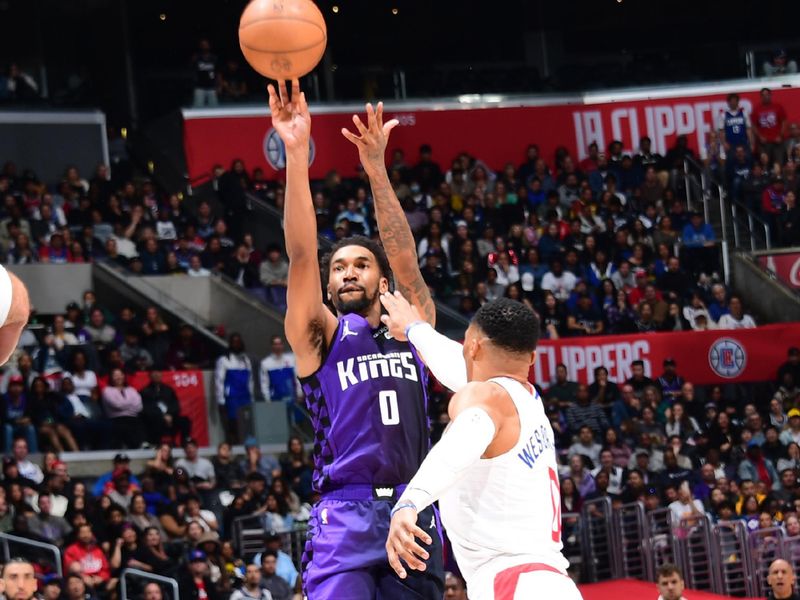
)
(727, 358)
(275, 151)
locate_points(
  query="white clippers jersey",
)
(506, 511)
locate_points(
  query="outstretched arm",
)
(395, 232)
(308, 323)
(443, 356)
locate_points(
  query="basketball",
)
(282, 39)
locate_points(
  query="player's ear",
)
(383, 285)
(533, 357)
(474, 347)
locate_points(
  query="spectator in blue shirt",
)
(285, 568)
(699, 246)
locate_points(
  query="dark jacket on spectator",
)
(188, 590)
(590, 414)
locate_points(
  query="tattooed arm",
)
(396, 236)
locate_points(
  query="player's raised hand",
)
(401, 545)
(290, 116)
(400, 314)
(373, 137)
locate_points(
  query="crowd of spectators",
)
(730, 452)
(173, 517)
(602, 246)
(756, 155)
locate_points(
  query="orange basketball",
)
(282, 39)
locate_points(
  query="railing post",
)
(722, 220)
(705, 195)
(751, 224)
(726, 263)
(767, 233)
(686, 184)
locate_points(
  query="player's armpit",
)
(308, 323)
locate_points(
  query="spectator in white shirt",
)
(196, 268)
(686, 508)
(737, 319)
(62, 337)
(84, 379)
(559, 281)
(507, 272)
(27, 468)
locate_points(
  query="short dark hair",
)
(16, 560)
(668, 569)
(268, 552)
(357, 240)
(638, 363)
(509, 324)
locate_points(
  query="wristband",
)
(401, 506)
(414, 324)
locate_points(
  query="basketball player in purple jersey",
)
(364, 389)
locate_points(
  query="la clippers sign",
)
(703, 357)
(497, 133)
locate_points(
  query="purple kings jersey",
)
(368, 405)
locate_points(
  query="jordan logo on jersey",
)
(399, 365)
(346, 331)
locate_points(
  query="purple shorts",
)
(345, 553)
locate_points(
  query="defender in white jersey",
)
(494, 472)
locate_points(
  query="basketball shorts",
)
(345, 552)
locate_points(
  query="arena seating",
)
(601, 247)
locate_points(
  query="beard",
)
(359, 305)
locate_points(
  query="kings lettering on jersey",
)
(359, 369)
(368, 406)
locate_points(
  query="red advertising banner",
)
(496, 133)
(786, 267)
(702, 357)
(188, 386)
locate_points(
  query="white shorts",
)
(542, 585)
(531, 585)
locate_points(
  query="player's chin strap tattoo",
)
(441, 355)
(461, 446)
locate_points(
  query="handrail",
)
(7, 537)
(166, 302)
(145, 575)
(736, 206)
